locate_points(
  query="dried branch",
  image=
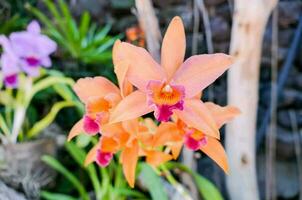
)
(149, 23)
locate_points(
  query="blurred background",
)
(84, 49)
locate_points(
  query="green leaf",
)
(207, 189)
(129, 193)
(153, 183)
(49, 118)
(79, 156)
(3, 126)
(84, 24)
(49, 82)
(55, 164)
(45, 20)
(55, 196)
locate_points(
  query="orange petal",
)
(166, 132)
(173, 47)
(129, 158)
(86, 88)
(142, 66)
(110, 130)
(120, 68)
(90, 158)
(176, 149)
(76, 130)
(197, 115)
(215, 150)
(221, 114)
(109, 144)
(117, 55)
(197, 72)
(132, 106)
(155, 158)
(131, 126)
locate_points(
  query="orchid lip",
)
(103, 158)
(166, 97)
(90, 126)
(11, 80)
(193, 143)
(32, 61)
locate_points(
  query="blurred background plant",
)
(84, 43)
(18, 118)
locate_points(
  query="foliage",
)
(84, 41)
(15, 104)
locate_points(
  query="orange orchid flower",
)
(133, 139)
(197, 140)
(170, 88)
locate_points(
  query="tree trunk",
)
(249, 20)
(149, 23)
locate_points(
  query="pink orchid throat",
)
(194, 144)
(91, 126)
(32, 61)
(103, 158)
(165, 97)
(11, 80)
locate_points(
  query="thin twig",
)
(288, 64)
(195, 28)
(271, 136)
(297, 140)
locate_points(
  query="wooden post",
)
(249, 21)
(149, 23)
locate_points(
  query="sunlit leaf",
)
(152, 181)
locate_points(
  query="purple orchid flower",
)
(25, 51)
(9, 64)
(32, 48)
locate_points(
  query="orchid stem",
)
(21, 107)
(175, 184)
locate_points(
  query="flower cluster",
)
(172, 90)
(25, 51)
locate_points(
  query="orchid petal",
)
(173, 47)
(120, 69)
(215, 151)
(176, 149)
(76, 130)
(142, 67)
(132, 106)
(197, 72)
(34, 27)
(129, 159)
(222, 115)
(197, 115)
(91, 156)
(86, 88)
(166, 132)
(156, 158)
(108, 144)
